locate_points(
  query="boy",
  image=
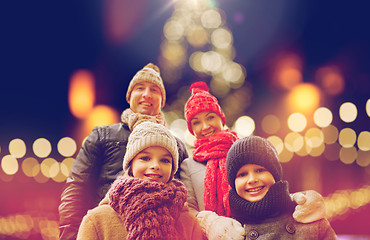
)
(259, 198)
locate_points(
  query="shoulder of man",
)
(113, 132)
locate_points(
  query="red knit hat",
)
(201, 100)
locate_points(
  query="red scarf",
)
(213, 150)
(148, 209)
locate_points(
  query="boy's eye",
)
(259, 170)
(211, 117)
(194, 123)
(242, 174)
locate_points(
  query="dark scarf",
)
(148, 209)
(213, 151)
(276, 202)
(132, 119)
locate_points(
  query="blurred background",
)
(295, 72)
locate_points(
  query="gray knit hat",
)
(150, 73)
(252, 150)
(149, 134)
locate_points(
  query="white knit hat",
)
(150, 73)
(149, 134)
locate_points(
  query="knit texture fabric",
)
(201, 100)
(213, 150)
(148, 209)
(252, 150)
(277, 201)
(150, 73)
(132, 119)
(149, 134)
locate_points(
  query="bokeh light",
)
(41, 147)
(222, 38)
(30, 167)
(304, 98)
(332, 151)
(244, 126)
(81, 97)
(67, 147)
(368, 107)
(66, 166)
(330, 79)
(348, 112)
(49, 167)
(348, 155)
(323, 117)
(297, 122)
(347, 137)
(17, 148)
(331, 134)
(314, 137)
(294, 142)
(211, 18)
(277, 142)
(270, 124)
(363, 141)
(101, 115)
(363, 158)
(9, 164)
(173, 30)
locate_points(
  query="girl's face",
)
(205, 124)
(153, 164)
(252, 182)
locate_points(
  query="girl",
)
(146, 203)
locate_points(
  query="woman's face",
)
(252, 182)
(205, 124)
(153, 164)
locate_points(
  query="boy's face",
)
(153, 164)
(205, 124)
(252, 182)
(146, 98)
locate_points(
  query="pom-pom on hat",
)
(150, 73)
(252, 150)
(149, 134)
(201, 100)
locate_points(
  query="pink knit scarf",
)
(148, 209)
(213, 150)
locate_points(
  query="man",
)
(99, 161)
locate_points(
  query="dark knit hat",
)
(252, 150)
(150, 73)
(201, 100)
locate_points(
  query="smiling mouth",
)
(253, 190)
(208, 134)
(153, 176)
(146, 104)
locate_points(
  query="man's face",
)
(146, 98)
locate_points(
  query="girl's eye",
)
(145, 158)
(211, 117)
(166, 160)
(259, 170)
(194, 123)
